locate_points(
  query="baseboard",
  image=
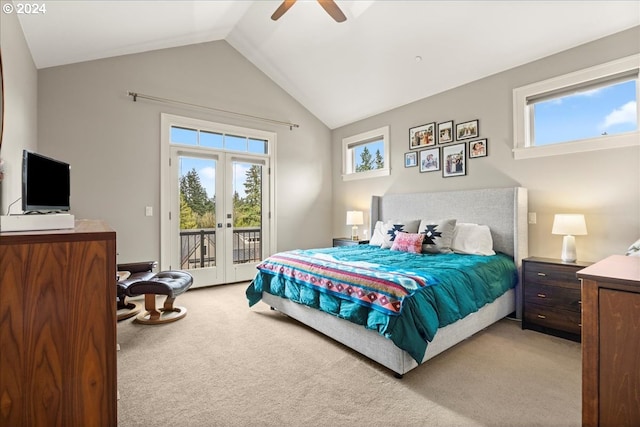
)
(36, 222)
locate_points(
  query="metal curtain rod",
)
(136, 95)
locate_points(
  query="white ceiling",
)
(341, 72)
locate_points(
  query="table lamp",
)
(570, 225)
(355, 219)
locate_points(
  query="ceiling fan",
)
(328, 5)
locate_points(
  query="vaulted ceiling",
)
(386, 54)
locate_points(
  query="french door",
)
(219, 231)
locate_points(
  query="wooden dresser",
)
(611, 342)
(58, 335)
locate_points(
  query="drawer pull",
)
(541, 316)
(542, 274)
(580, 302)
(580, 324)
(542, 295)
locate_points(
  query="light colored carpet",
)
(226, 364)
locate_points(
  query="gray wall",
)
(604, 185)
(81, 113)
(20, 108)
(113, 144)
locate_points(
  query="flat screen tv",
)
(46, 183)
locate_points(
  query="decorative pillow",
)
(472, 239)
(390, 228)
(437, 235)
(634, 249)
(408, 242)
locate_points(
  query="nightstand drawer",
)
(549, 274)
(551, 317)
(553, 296)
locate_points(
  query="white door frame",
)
(167, 179)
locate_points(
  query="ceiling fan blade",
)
(286, 4)
(333, 10)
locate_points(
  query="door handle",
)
(228, 225)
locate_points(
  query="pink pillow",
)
(408, 242)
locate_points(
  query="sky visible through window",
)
(372, 147)
(605, 111)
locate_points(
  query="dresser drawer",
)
(551, 317)
(550, 274)
(553, 296)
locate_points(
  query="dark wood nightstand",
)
(552, 296)
(346, 241)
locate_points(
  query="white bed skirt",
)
(383, 350)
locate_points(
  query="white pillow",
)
(472, 239)
(377, 238)
(634, 249)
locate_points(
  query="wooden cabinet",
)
(58, 335)
(346, 241)
(611, 342)
(552, 297)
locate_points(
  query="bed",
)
(367, 317)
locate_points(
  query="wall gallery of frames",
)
(445, 147)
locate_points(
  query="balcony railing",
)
(198, 247)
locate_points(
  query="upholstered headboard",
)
(504, 210)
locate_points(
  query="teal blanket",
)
(448, 288)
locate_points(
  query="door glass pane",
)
(197, 212)
(247, 212)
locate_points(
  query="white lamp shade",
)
(355, 218)
(569, 224)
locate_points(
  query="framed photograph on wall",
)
(454, 160)
(410, 159)
(467, 130)
(430, 160)
(422, 136)
(445, 132)
(477, 148)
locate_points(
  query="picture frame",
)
(454, 160)
(411, 159)
(478, 148)
(445, 132)
(430, 160)
(422, 136)
(467, 130)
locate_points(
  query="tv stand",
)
(31, 222)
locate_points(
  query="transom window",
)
(366, 155)
(588, 110)
(215, 140)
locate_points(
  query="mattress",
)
(404, 297)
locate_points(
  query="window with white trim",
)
(592, 109)
(366, 155)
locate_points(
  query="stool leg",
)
(150, 306)
(168, 304)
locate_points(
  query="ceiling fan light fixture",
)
(328, 5)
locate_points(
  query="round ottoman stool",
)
(169, 283)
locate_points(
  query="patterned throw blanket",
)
(357, 281)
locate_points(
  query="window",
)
(366, 155)
(592, 109)
(215, 140)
